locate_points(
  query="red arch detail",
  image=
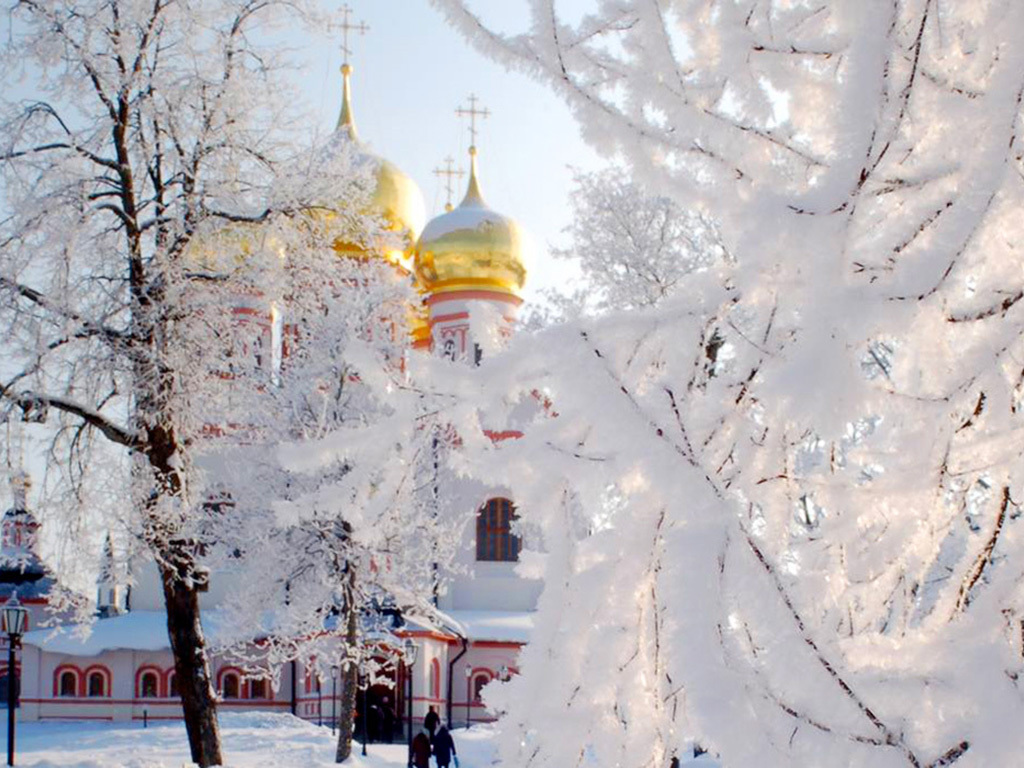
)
(146, 668)
(59, 671)
(107, 680)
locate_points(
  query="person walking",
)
(421, 750)
(431, 721)
(444, 748)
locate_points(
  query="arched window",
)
(257, 689)
(494, 538)
(478, 683)
(96, 685)
(68, 684)
(229, 685)
(435, 679)
(149, 685)
(172, 684)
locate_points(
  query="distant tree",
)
(811, 556)
(633, 248)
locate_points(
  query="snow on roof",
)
(134, 631)
(494, 626)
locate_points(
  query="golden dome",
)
(471, 247)
(396, 196)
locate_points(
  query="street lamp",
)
(503, 673)
(469, 678)
(334, 696)
(410, 649)
(366, 685)
(319, 700)
(13, 620)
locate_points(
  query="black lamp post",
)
(334, 697)
(410, 659)
(469, 678)
(13, 619)
(319, 700)
(366, 685)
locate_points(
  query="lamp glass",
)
(14, 618)
(410, 651)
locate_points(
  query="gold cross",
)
(472, 113)
(450, 173)
(346, 27)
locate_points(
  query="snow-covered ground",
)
(251, 740)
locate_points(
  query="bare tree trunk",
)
(350, 680)
(191, 663)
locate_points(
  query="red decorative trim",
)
(427, 633)
(448, 318)
(438, 298)
(145, 669)
(428, 699)
(220, 682)
(498, 436)
(107, 680)
(496, 644)
(59, 672)
(435, 678)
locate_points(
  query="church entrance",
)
(383, 714)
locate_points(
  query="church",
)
(467, 262)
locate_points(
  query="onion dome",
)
(471, 247)
(396, 196)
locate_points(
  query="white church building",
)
(466, 260)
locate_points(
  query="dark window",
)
(229, 684)
(494, 538)
(97, 685)
(68, 684)
(258, 689)
(478, 683)
(149, 686)
(172, 685)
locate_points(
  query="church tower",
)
(469, 262)
(20, 526)
(111, 592)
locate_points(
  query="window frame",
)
(495, 541)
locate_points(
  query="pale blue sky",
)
(411, 71)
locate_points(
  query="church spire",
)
(347, 121)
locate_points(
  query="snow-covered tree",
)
(330, 523)
(805, 552)
(633, 249)
(138, 142)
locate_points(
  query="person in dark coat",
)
(431, 721)
(444, 747)
(421, 750)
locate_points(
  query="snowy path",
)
(250, 741)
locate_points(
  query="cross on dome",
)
(450, 173)
(346, 27)
(472, 113)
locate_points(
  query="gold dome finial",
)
(473, 196)
(347, 121)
